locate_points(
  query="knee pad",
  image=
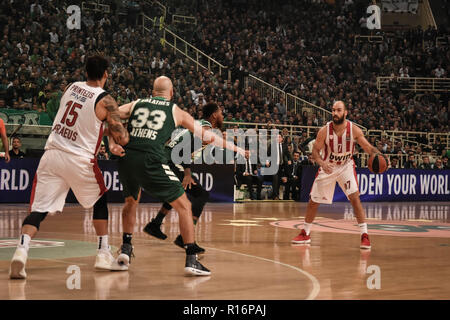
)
(101, 208)
(167, 206)
(34, 219)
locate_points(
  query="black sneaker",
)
(198, 249)
(195, 268)
(126, 252)
(154, 229)
(179, 241)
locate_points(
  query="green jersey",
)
(150, 126)
(186, 134)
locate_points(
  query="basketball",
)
(378, 163)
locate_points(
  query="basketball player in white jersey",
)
(69, 162)
(336, 140)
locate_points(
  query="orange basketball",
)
(378, 163)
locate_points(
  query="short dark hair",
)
(96, 66)
(209, 109)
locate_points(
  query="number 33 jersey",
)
(76, 128)
(150, 125)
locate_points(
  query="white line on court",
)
(315, 283)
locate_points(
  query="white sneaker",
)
(17, 268)
(106, 261)
(125, 254)
(123, 259)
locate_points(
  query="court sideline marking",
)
(315, 283)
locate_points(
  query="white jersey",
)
(339, 150)
(76, 128)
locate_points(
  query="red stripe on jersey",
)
(326, 153)
(99, 177)
(340, 146)
(347, 138)
(33, 190)
(99, 140)
(331, 136)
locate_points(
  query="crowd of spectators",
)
(308, 48)
(316, 59)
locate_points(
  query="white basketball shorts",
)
(59, 171)
(322, 190)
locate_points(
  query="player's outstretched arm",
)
(185, 119)
(110, 110)
(126, 109)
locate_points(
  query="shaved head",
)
(340, 104)
(162, 87)
(339, 112)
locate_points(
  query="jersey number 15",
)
(71, 115)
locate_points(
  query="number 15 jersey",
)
(150, 125)
(76, 128)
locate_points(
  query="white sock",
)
(24, 241)
(307, 227)
(103, 242)
(363, 227)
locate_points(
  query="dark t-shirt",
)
(12, 154)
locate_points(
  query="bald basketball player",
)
(144, 164)
(336, 140)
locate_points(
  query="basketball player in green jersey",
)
(144, 162)
(213, 118)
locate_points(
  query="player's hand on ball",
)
(247, 154)
(117, 150)
(188, 182)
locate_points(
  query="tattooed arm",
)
(107, 109)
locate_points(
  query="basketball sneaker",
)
(17, 268)
(106, 261)
(179, 242)
(125, 254)
(154, 229)
(195, 268)
(302, 238)
(365, 242)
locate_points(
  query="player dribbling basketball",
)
(336, 140)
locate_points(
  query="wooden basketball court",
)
(249, 252)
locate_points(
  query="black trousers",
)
(276, 181)
(250, 181)
(292, 188)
